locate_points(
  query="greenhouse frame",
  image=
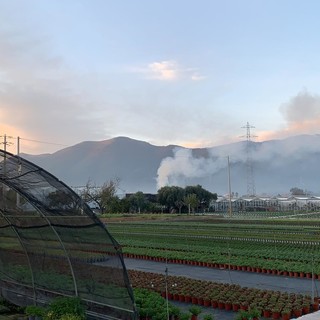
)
(52, 244)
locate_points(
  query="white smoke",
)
(184, 165)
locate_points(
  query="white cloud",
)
(164, 70)
(169, 70)
(196, 77)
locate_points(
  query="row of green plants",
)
(151, 305)
(282, 255)
(229, 259)
(225, 296)
(60, 308)
(260, 229)
(285, 250)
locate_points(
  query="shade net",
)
(52, 244)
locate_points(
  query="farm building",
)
(276, 203)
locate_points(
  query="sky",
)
(190, 73)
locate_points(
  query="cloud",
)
(164, 70)
(169, 70)
(38, 96)
(196, 77)
(301, 115)
(302, 111)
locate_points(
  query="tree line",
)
(169, 199)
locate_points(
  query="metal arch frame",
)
(25, 251)
(85, 210)
(54, 231)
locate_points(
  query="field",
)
(275, 244)
(288, 246)
(272, 244)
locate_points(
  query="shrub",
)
(65, 306)
(33, 310)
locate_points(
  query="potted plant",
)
(276, 311)
(242, 315)
(208, 317)
(195, 311)
(285, 314)
(184, 316)
(254, 314)
(175, 312)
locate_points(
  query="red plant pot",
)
(235, 307)
(306, 310)
(181, 298)
(228, 306)
(221, 305)
(297, 312)
(285, 316)
(194, 300)
(207, 303)
(266, 313)
(214, 304)
(276, 315)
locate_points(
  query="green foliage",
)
(195, 310)
(138, 202)
(65, 306)
(33, 310)
(151, 304)
(176, 197)
(184, 316)
(191, 201)
(170, 197)
(242, 315)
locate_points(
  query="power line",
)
(45, 142)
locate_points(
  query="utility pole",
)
(251, 189)
(229, 187)
(19, 169)
(5, 144)
(4, 166)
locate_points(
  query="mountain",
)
(276, 165)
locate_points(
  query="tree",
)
(138, 201)
(60, 200)
(171, 197)
(100, 196)
(191, 201)
(297, 192)
(204, 196)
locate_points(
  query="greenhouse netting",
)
(52, 244)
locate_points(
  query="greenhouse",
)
(52, 245)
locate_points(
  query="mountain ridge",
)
(278, 165)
